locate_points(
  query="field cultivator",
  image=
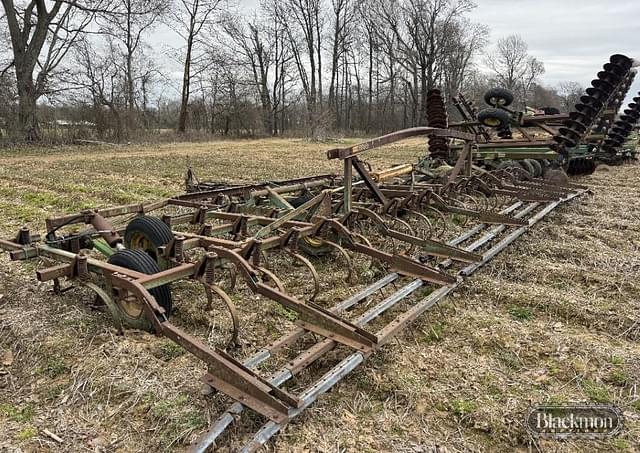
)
(574, 141)
(417, 234)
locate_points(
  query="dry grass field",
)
(554, 318)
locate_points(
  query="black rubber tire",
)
(550, 111)
(528, 166)
(537, 166)
(495, 118)
(498, 97)
(139, 261)
(155, 233)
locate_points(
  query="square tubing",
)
(348, 189)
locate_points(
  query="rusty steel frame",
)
(225, 374)
(348, 364)
(280, 227)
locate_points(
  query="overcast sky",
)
(573, 38)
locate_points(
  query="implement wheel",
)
(130, 309)
(498, 96)
(148, 234)
(495, 118)
(556, 176)
(506, 164)
(528, 166)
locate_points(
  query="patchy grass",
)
(54, 367)
(169, 350)
(434, 332)
(18, 414)
(27, 433)
(596, 392)
(520, 313)
(285, 312)
(463, 407)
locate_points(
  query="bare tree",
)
(343, 23)
(102, 77)
(302, 22)
(188, 20)
(267, 71)
(513, 67)
(126, 24)
(570, 93)
(421, 28)
(464, 40)
(42, 34)
(283, 57)
(256, 52)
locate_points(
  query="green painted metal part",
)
(101, 246)
(519, 153)
(515, 153)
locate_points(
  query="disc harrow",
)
(548, 143)
(437, 118)
(419, 235)
(620, 132)
(609, 89)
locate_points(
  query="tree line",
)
(298, 67)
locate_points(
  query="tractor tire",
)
(148, 234)
(498, 97)
(537, 167)
(132, 314)
(495, 118)
(550, 111)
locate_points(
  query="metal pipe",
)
(348, 190)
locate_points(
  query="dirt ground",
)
(552, 319)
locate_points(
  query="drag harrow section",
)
(381, 298)
(418, 236)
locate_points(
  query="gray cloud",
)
(573, 38)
